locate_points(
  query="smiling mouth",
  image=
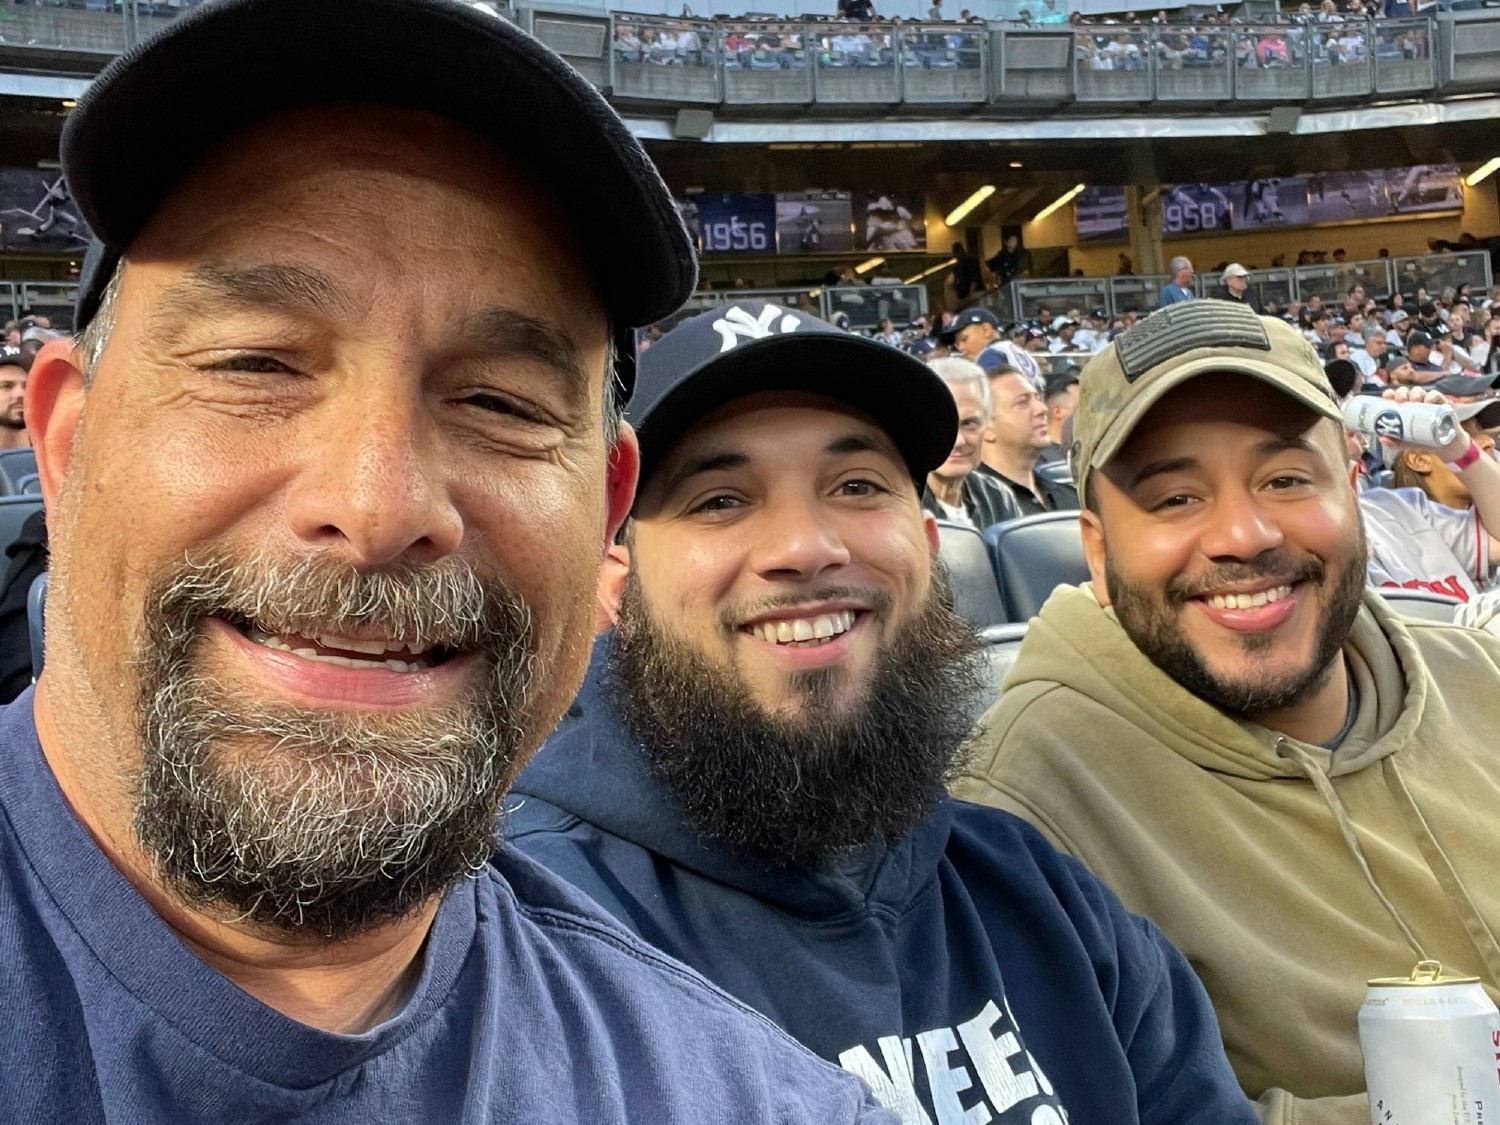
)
(806, 632)
(368, 652)
(1249, 601)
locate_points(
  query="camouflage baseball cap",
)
(1180, 342)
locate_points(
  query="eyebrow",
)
(506, 334)
(271, 287)
(708, 463)
(1268, 448)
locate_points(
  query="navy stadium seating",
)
(1424, 605)
(975, 595)
(1034, 555)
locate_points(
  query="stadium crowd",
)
(446, 717)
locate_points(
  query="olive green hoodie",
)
(1288, 874)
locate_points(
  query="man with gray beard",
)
(329, 473)
(753, 776)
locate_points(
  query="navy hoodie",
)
(969, 973)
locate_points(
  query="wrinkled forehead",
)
(351, 185)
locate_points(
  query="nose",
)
(798, 541)
(373, 485)
(1239, 528)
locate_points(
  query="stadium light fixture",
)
(1483, 172)
(866, 267)
(959, 213)
(930, 270)
(1016, 164)
(1065, 197)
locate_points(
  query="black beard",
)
(1151, 621)
(326, 823)
(802, 790)
(9, 423)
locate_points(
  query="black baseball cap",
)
(1060, 381)
(966, 319)
(1418, 340)
(754, 346)
(1465, 386)
(160, 107)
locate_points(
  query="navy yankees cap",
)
(966, 319)
(753, 346)
(160, 107)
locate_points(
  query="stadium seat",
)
(1002, 644)
(1034, 555)
(29, 485)
(975, 595)
(1056, 472)
(36, 612)
(15, 464)
(1383, 478)
(15, 511)
(1425, 605)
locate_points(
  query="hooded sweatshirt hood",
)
(968, 957)
(1079, 644)
(1289, 874)
(594, 769)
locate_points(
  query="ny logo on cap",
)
(737, 325)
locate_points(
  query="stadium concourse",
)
(1068, 501)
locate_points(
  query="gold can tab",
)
(1426, 973)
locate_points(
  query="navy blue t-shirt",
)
(531, 1008)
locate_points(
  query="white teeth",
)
(374, 648)
(823, 627)
(1250, 601)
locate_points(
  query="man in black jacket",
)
(1235, 286)
(954, 490)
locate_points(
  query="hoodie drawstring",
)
(1306, 763)
(1442, 868)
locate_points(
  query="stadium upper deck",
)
(1193, 64)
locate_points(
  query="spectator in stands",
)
(1061, 398)
(888, 333)
(1065, 339)
(1420, 355)
(1093, 335)
(1180, 288)
(1192, 722)
(935, 13)
(1234, 285)
(1014, 443)
(14, 364)
(306, 624)
(27, 562)
(1050, 13)
(753, 777)
(1372, 357)
(1424, 469)
(954, 490)
(975, 333)
(968, 280)
(1010, 262)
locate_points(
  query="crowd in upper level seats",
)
(1337, 32)
(344, 473)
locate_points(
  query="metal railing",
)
(797, 62)
(1331, 283)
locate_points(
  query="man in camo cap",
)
(1248, 745)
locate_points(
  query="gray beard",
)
(326, 822)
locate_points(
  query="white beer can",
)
(1421, 423)
(1430, 1044)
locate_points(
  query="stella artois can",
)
(1431, 1045)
